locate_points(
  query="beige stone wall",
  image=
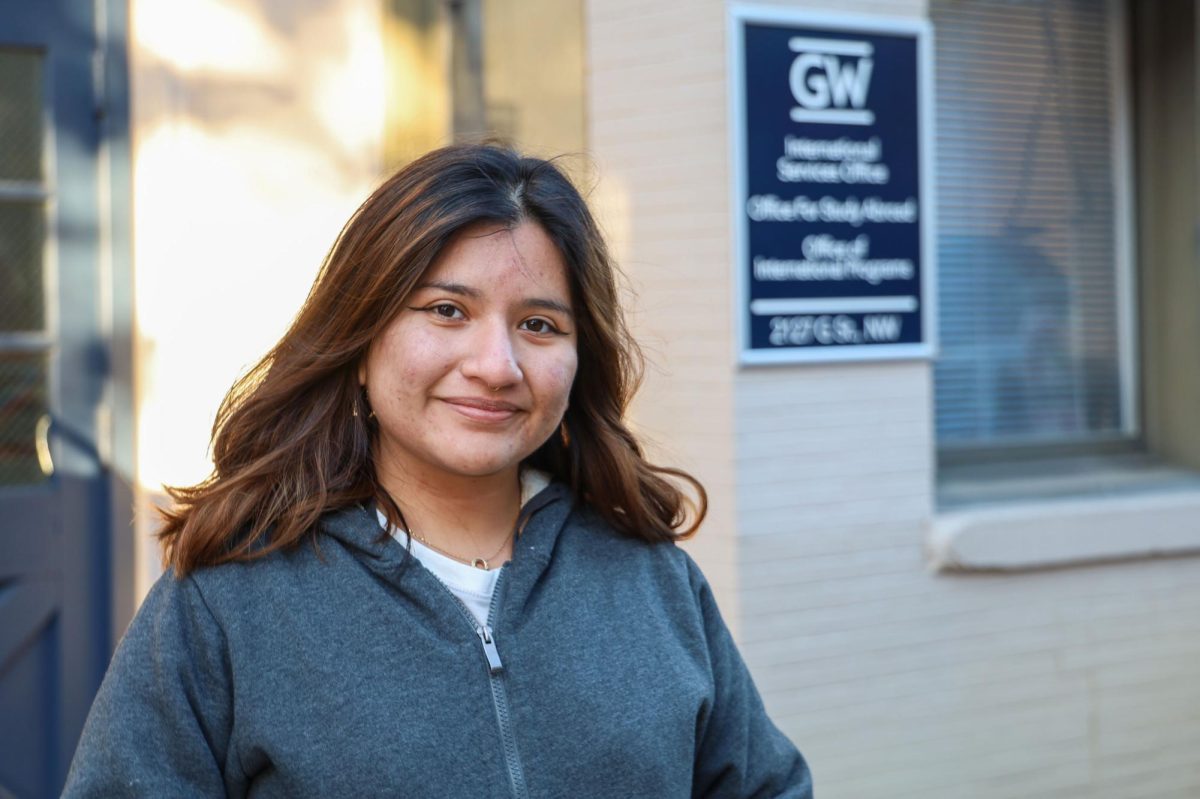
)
(257, 130)
(656, 129)
(896, 680)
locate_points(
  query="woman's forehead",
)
(494, 258)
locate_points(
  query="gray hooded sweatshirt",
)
(348, 670)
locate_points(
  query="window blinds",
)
(1028, 215)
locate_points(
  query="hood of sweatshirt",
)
(541, 521)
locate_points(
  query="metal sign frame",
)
(738, 16)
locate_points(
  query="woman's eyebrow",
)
(549, 305)
(452, 288)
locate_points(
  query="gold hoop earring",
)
(365, 400)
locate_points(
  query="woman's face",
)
(474, 374)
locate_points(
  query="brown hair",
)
(292, 439)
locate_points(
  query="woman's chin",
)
(480, 465)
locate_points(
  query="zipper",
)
(489, 649)
(512, 758)
(495, 669)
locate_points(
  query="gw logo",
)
(830, 89)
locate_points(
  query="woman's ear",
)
(362, 372)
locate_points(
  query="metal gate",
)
(56, 346)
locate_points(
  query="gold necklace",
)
(478, 563)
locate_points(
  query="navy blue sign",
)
(831, 195)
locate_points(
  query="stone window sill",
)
(1066, 515)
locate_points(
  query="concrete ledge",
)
(1062, 531)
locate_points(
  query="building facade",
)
(964, 573)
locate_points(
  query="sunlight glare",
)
(207, 36)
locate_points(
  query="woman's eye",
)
(538, 325)
(445, 311)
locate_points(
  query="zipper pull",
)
(489, 649)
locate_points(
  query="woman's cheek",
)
(428, 359)
(563, 370)
(565, 378)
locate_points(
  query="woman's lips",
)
(482, 410)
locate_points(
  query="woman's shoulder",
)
(341, 539)
(207, 594)
(587, 533)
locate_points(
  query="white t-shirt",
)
(472, 585)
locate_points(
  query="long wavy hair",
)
(292, 439)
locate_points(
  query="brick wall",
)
(895, 680)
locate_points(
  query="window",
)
(25, 345)
(1037, 333)
(1038, 108)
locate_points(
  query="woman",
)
(431, 559)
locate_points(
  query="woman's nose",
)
(492, 358)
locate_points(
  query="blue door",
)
(56, 489)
